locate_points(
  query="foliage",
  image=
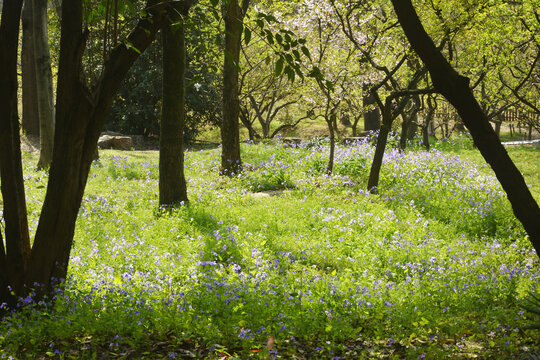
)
(322, 270)
(137, 107)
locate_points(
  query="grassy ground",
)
(285, 262)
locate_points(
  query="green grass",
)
(435, 266)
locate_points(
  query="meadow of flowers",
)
(434, 267)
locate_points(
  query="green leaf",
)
(329, 85)
(290, 73)
(316, 73)
(289, 58)
(247, 35)
(214, 2)
(279, 38)
(296, 54)
(305, 51)
(279, 66)
(270, 37)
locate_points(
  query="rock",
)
(111, 133)
(115, 142)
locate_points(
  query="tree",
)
(30, 112)
(44, 85)
(263, 93)
(80, 115)
(172, 182)
(14, 255)
(233, 15)
(333, 64)
(455, 88)
(137, 105)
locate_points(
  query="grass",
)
(435, 266)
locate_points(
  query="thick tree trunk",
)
(44, 83)
(456, 90)
(231, 162)
(372, 118)
(172, 182)
(14, 255)
(30, 112)
(79, 119)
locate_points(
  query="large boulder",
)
(115, 142)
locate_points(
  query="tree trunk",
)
(14, 254)
(30, 112)
(455, 88)
(428, 121)
(172, 182)
(44, 84)
(231, 162)
(372, 118)
(330, 166)
(80, 117)
(498, 123)
(382, 138)
(247, 123)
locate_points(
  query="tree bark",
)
(382, 138)
(455, 88)
(330, 165)
(231, 162)
(372, 118)
(172, 182)
(44, 83)
(14, 256)
(30, 112)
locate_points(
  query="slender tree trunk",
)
(404, 131)
(455, 88)
(355, 126)
(330, 166)
(231, 162)
(382, 138)
(172, 182)
(265, 129)
(372, 118)
(427, 125)
(30, 112)
(245, 120)
(14, 254)
(43, 83)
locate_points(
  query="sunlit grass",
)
(434, 266)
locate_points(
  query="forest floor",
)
(285, 262)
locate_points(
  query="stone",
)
(115, 142)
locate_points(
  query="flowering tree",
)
(335, 70)
(455, 88)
